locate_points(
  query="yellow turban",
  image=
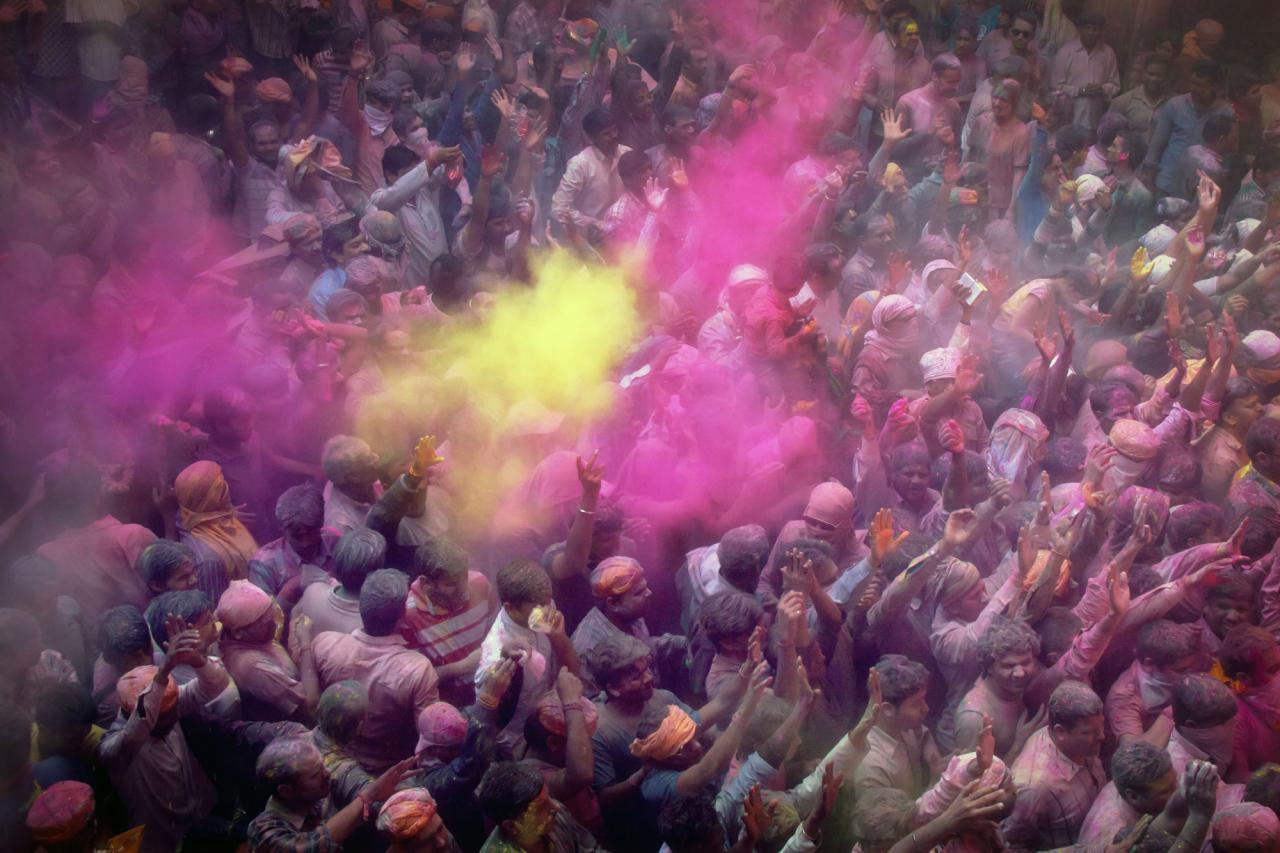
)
(677, 729)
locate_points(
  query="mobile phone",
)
(973, 290)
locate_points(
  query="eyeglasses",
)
(819, 525)
(1026, 34)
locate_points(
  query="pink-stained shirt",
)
(910, 764)
(1054, 795)
(95, 565)
(267, 679)
(1257, 742)
(1221, 455)
(1006, 714)
(1127, 714)
(1109, 815)
(1074, 68)
(1181, 752)
(400, 682)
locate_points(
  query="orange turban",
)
(135, 682)
(406, 813)
(61, 812)
(273, 90)
(677, 729)
(615, 576)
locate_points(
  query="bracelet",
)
(486, 701)
(568, 708)
(915, 844)
(368, 802)
(586, 511)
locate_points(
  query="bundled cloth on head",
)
(1263, 347)
(896, 331)
(135, 682)
(132, 86)
(314, 152)
(940, 265)
(1137, 444)
(161, 145)
(747, 277)
(382, 229)
(341, 709)
(407, 813)
(61, 812)
(242, 604)
(1245, 826)
(551, 717)
(952, 582)
(1158, 239)
(615, 576)
(940, 364)
(1018, 440)
(830, 502)
(1206, 31)
(677, 729)
(206, 514)
(1087, 187)
(273, 90)
(440, 724)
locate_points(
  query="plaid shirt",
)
(1054, 795)
(271, 27)
(526, 28)
(279, 830)
(448, 637)
(624, 220)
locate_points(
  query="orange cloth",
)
(135, 682)
(406, 813)
(206, 513)
(615, 576)
(677, 729)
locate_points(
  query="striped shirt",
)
(448, 637)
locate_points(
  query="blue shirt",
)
(1178, 126)
(326, 284)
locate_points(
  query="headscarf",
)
(1207, 29)
(160, 144)
(677, 729)
(550, 715)
(953, 581)
(383, 231)
(440, 724)
(940, 363)
(896, 330)
(242, 604)
(933, 267)
(1017, 441)
(132, 87)
(206, 513)
(1087, 187)
(407, 813)
(707, 109)
(341, 709)
(831, 502)
(1245, 825)
(314, 152)
(1264, 348)
(1158, 239)
(61, 812)
(273, 90)
(135, 682)
(615, 576)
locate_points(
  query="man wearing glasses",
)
(1018, 39)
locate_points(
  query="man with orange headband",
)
(146, 752)
(622, 597)
(408, 820)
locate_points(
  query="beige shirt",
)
(590, 185)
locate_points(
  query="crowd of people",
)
(918, 491)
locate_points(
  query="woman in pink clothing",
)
(1003, 143)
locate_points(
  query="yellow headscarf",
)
(206, 513)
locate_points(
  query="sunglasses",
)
(1026, 34)
(819, 525)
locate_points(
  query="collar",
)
(389, 640)
(295, 819)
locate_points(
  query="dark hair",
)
(1267, 159)
(897, 7)
(1179, 470)
(596, 121)
(507, 789)
(397, 158)
(1069, 140)
(300, 506)
(1263, 787)
(1058, 629)
(159, 560)
(1263, 437)
(1009, 66)
(440, 558)
(1230, 585)
(1007, 636)
(882, 816)
(633, 163)
(522, 582)
(1165, 642)
(61, 706)
(1138, 764)
(613, 654)
(277, 765)
(863, 224)
(1244, 648)
(1135, 145)
(675, 114)
(1217, 127)
(359, 552)
(1100, 396)
(1064, 459)
(1207, 70)
(123, 633)
(743, 552)
(190, 604)
(944, 62)
(1202, 701)
(688, 823)
(337, 234)
(1155, 59)
(729, 614)
(1027, 17)
(382, 600)
(1190, 521)
(900, 678)
(1071, 702)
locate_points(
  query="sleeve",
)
(275, 687)
(1111, 85)
(959, 772)
(1159, 136)
(799, 842)
(804, 796)
(120, 746)
(201, 695)
(955, 643)
(1059, 72)
(394, 197)
(426, 687)
(1124, 710)
(755, 770)
(271, 834)
(1021, 827)
(567, 193)
(604, 773)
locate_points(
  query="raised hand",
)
(536, 134)
(883, 542)
(974, 802)
(505, 105)
(361, 58)
(967, 376)
(385, 785)
(986, 745)
(568, 687)
(870, 714)
(951, 437)
(438, 156)
(894, 132)
(303, 65)
(224, 87)
(1118, 592)
(1140, 267)
(961, 527)
(655, 195)
(797, 572)
(757, 816)
(425, 457)
(496, 680)
(1195, 243)
(590, 476)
